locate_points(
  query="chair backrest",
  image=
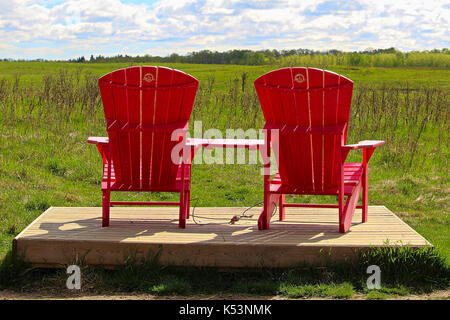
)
(143, 106)
(310, 107)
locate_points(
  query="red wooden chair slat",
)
(133, 80)
(277, 115)
(304, 153)
(331, 164)
(289, 112)
(143, 106)
(106, 92)
(173, 115)
(310, 109)
(148, 76)
(315, 80)
(344, 101)
(182, 103)
(121, 156)
(164, 78)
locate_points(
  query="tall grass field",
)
(48, 109)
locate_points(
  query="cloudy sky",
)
(54, 29)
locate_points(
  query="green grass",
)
(341, 291)
(387, 293)
(31, 72)
(337, 281)
(45, 160)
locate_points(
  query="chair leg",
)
(281, 207)
(341, 212)
(365, 194)
(106, 206)
(263, 221)
(188, 203)
(182, 218)
(270, 202)
(345, 219)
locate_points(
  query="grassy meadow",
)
(48, 109)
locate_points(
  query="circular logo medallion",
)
(299, 78)
(148, 77)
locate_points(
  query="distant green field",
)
(47, 111)
(31, 72)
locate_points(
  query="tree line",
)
(391, 57)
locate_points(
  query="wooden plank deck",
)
(61, 235)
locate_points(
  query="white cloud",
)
(82, 27)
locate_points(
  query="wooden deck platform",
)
(63, 235)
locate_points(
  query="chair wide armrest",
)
(98, 140)
(363, 145)
(196, 142)
(252, 144)
(368, 147)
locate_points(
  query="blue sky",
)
(55, 29)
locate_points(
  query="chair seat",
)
(120, 186)
(352, 177)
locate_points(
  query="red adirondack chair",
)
(143, 106)
(307, 112)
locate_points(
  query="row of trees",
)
(240, 57)
(370, 57)
(391, 57)
(397, 59)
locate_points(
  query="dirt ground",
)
(10, 295)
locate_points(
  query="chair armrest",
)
(102, 144)
(252, 144)
(368, 147)
(196, 142)
(363, 145)
(98, 140)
